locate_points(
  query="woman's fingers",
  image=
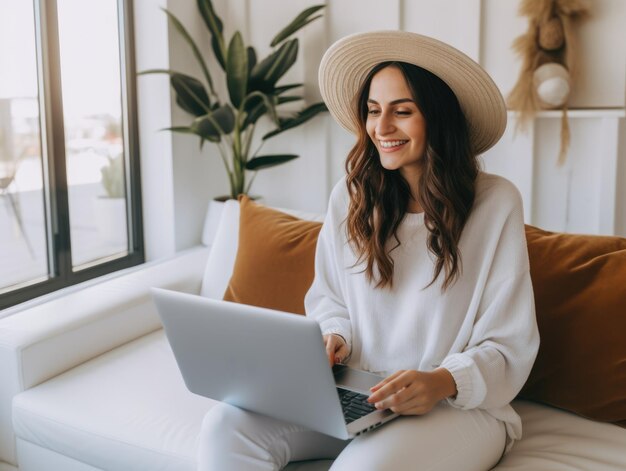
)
(336, 348)
(386, 380)
(409, 393)
(341, 353)
(390, 385)
(330, 349)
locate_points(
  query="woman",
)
(421, 270)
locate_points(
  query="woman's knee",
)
(232, 438)
(219, 421)
(227, 441)
(219, 415)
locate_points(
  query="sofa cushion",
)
(555, 440)
(127, 409)
(275, 258)
(580, 292)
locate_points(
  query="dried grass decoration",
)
(550, 60)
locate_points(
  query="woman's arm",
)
(325, 301)
(504, 339)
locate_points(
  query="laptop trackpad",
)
(356, 380)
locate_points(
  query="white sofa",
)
(89, 382)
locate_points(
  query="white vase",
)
(213, 216)
(211, 221)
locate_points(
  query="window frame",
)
(52, 137)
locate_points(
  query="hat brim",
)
(348, 61)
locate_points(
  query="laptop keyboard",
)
(354, 405)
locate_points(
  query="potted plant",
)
(110, 208)
(113, 177)
(253, 92)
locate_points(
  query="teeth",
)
(387, 144)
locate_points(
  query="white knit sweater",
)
(482, 328)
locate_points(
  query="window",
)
(70, 206)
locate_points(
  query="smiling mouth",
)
(392, 145)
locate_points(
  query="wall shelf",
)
(577, 113)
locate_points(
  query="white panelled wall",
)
(586, 195)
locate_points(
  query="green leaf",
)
(299, 21)
(270, 104)
(285, 58)
(284, 88)
(213, 125)
(258, 104)
(251, 59)
(255, 108)
(196, 52)
(237, 70)
(289, 99)
(214, 23)
(155, 71)
(267, 72)
(266, 161)
(188, 130)
(259, 109)
(191, 95)
(179, 129)
(302, 117)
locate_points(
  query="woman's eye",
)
(398, 113)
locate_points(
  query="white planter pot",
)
(212, 219)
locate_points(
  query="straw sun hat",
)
(347, 62)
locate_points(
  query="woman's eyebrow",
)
(394, 102)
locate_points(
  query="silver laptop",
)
(266, 361)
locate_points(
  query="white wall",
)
(587, 194)
(177, 180)
(154, 110)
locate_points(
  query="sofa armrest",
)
(43, 341)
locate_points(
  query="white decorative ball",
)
(553, 85)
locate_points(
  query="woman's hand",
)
(336, 348)
(410, 392)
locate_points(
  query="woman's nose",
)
(384, 124)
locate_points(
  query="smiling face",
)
(395, 124)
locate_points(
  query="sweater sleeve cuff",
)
(340, 326)
(469, 385)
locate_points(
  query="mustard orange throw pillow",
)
(580, 294)
(275, 260)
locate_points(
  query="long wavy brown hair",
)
(379, 198)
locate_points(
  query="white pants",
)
(446, 438)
